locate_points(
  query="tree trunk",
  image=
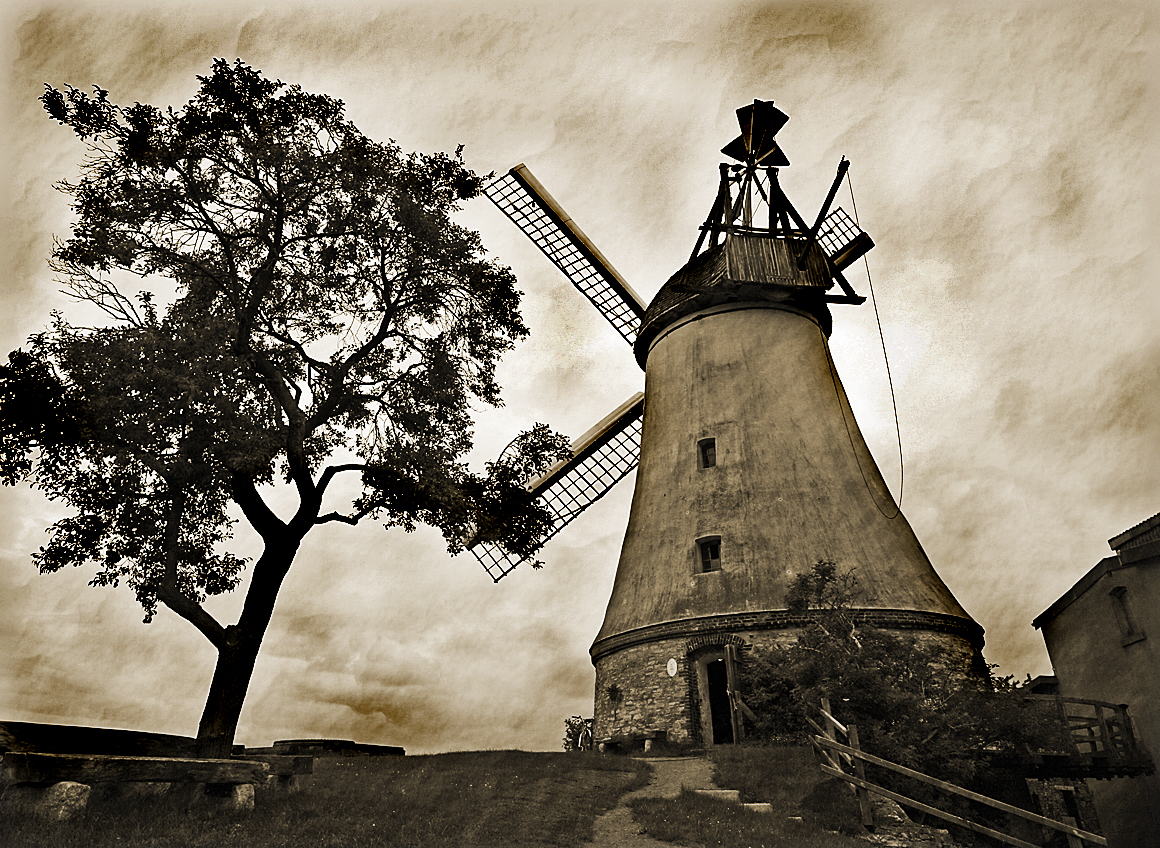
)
(237, 657)
(227, 694)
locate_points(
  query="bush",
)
(911, 704)
(577, 733)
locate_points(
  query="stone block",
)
(221, 798)
(59, 802)
(289, 783)
(226, 797)
(241, 798)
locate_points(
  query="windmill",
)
(751, 465)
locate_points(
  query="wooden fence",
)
(837, 757)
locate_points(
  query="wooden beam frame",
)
(96, 768)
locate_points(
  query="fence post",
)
(1105, 736)
(1073, 841)
(864, 802)
(829, 724)
(831, 734)
(1065, 720)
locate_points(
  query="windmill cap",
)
(736, 272)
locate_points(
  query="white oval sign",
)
(672, 668)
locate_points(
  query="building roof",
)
(1132, 547)
(1104, 566)
(1146, 531)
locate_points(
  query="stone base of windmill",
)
(664, 682)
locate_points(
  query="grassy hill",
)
(488, 798)
(810, 810)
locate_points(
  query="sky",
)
(1003, 160)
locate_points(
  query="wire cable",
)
(885, 358)
(843, 403)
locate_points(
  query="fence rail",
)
(834, 754)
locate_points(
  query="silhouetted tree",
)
(320, 314)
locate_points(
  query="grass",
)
(809, 809)
(490, 798)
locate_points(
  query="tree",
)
(310, 311)
(912, 703)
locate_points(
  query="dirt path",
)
(616, 829)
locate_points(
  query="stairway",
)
(733, 796)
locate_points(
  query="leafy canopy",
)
(307, 299)
(913, 703)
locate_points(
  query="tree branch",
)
(194, 613)
(331, 470)
(260, 516)
(345, 519)
(296, 421)
(167, 590)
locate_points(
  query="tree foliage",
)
(284, 301)
(913, 704)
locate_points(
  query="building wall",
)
(1062, 799)
(793, 481)
(648, 697)
(636, 694)
(1098, 653)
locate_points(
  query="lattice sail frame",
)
(843, 240)
(527, 203)
(600, 459)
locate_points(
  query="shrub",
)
(909, 701)
(577, 733)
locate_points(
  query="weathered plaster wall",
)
(1094, 656)
(794, 481)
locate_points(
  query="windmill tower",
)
(751, 466)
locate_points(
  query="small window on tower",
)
(707, 449)
(710, 554)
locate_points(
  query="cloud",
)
(1002, 162)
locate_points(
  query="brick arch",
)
(714, 640)
(692, 646)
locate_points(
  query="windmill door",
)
(720, 719)
(737, 727)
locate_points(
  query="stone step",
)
(732, 795)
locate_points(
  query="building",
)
(751, 466)
(1102, 637)
(752, 469)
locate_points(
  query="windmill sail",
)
(843, 240)
(521, 197)
(600, 458)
